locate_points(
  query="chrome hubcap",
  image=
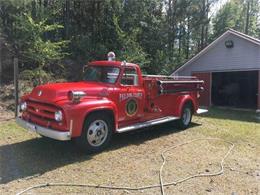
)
(97, 133)
(186, 116)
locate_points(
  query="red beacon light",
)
(111, 56)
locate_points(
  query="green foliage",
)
(162, 60)
(30, 40)
(37, 76)
(234, 15)
(131, 50)
(33, 47)
(228, 17)
(160, 35)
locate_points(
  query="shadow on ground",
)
(40, 155)
(231, 114)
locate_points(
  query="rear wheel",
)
(186, 117)
(96, 133)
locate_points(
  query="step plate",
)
(147, 124)
(202, 111)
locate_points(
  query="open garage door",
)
(235, 89)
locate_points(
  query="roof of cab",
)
(111, 63)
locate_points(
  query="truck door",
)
(131, 96)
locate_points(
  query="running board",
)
(147, 124)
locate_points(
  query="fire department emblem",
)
(131, 107)
(40, 93)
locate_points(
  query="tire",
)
(96, 133)
(186, 116)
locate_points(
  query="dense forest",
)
(57, 37)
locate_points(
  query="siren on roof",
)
(111, 56)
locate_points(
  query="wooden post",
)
(16, 90)
(1, 65)
(258, 93)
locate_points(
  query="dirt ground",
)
(134, 159)
(5, 114)
(6, 103)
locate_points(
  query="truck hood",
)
(59, 91)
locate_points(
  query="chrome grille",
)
(41, 110)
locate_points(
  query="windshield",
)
(101, 74)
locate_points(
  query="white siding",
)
(245, 55)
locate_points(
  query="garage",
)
(230, 68)
(235, 89)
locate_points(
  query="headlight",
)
(58, 116)
(75, 96)
(23, 106)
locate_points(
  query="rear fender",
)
(183, 100)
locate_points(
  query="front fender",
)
(77, 113)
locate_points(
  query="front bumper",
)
(51, 133)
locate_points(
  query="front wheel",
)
(96, 133)
(186, 117)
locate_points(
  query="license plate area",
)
(31, 127)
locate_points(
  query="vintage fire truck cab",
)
(113, 97)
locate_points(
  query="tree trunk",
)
(202, 37)
(180, 40)
(188, 40)
(93, 25)
(247, 17)
(16, 90)
(1, 68)
(207, 24)
(66, 19)
(34, 9)
(171, 26)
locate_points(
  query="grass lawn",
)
(231, 125)
(133, 159)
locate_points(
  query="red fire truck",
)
(113, 97)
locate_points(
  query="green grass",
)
(222, 123)
(21, 155)
(11, 129)
(231, 125)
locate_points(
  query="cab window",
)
(129, 77)
(101, 74)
